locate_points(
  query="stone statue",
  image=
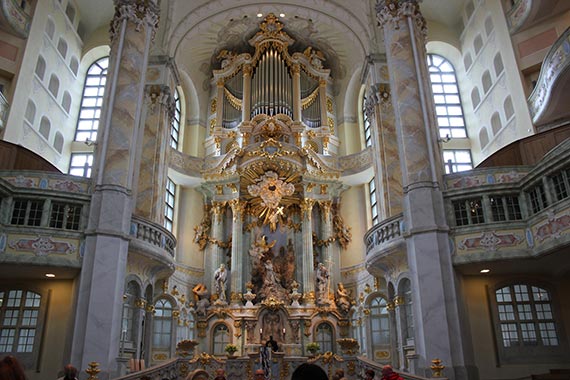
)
(221, 276)
(322, 277)
(342, 298)
(201, 296)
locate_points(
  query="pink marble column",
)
(154, 155)
(97, 328)
(436, 304)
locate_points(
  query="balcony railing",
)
(13, 16)
(542, 105)
(518, 14)
(153, 234)
(383, 234)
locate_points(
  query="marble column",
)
(97, 329)
(307, 258)
(153, 172)
(399, 333)
(436, 306)
(215, 252)
(236, 284)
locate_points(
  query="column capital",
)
(393, 11)
(159, 94)
(139, 12)
(247, 69)
(238, 208)
(307, 206)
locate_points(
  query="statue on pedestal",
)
(221, 276)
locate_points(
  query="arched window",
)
(162, 324)
(477, 44)
(66, 101)
(30, 114)
(483, 137)
(20, 311)
(525, 316)
(41, 67)
(379, 324)
(406, 310)
(74, 65)
(221, 338)
(475, 97)
(92, 101)
(446, 97)
(129, 321)
(508, 107)
(45, 127)
(366, 124)
(175, 126)
(373, 201)
(70, 12)
(50, 28)
(486, 81)
(496, 123)
(53, 85)
(498, 64)
(169, 209)
(62, 47)
(324, 337)
(488, 25)
(58, 142)
(467, 61)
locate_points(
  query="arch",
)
(66, 101)
(448, 105)
(30, 114)
(379, 323)
(475, 97)
(53, 85)
(162, 323)
(486, 81)
(74, 65)
(496, 123)
(62, 47)
(45, 127)
(508, 108)
(50, 28)
(129, 321)
(58, 142)
(70, 12)
(406, 313)
(489, 25)
(498, 64)
(469, 9)
(467, 60)
(324, 336)
(477, 44)
(220, 338)
(483, 137)
(40, 67)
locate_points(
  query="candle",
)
(260, 331)
(283, 330)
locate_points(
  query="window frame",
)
(28, 359)
(321, 338)
(373, 197)
(531, 353)
(169, 204)
(455, 166)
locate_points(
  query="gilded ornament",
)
(272, 303)
(390, 306)
(140, 303)
(399, 300)
(175, 314)
(437, 368)
(150, 309)
(324, 188)
(212, 125)
(331, 124)
(351, 366)
(349, 346)
(329, 105)
(93, 370)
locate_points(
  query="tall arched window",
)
(175, 126)
(129, 322)
(324, 337)
(169, 207)
(379, 324)
(366, 124)
(92, 101)
(221, 338)
(407, 316)
(446, 97)
(162, 324)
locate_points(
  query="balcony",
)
(42, 218)
(526, 13)
(4, 108)
(153, 243)
(548, 103)
(13, 19)
(384, 240)
(499, 214)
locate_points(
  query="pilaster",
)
(236, 284)
(100, 300)
(308, 267)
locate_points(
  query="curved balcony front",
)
(385, 245)
(13, 19)
(548, 102)
(153, 244)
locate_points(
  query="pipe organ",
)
(271, 83)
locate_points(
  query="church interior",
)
(205, 184)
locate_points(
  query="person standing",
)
(389, 374)
(69, 373)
